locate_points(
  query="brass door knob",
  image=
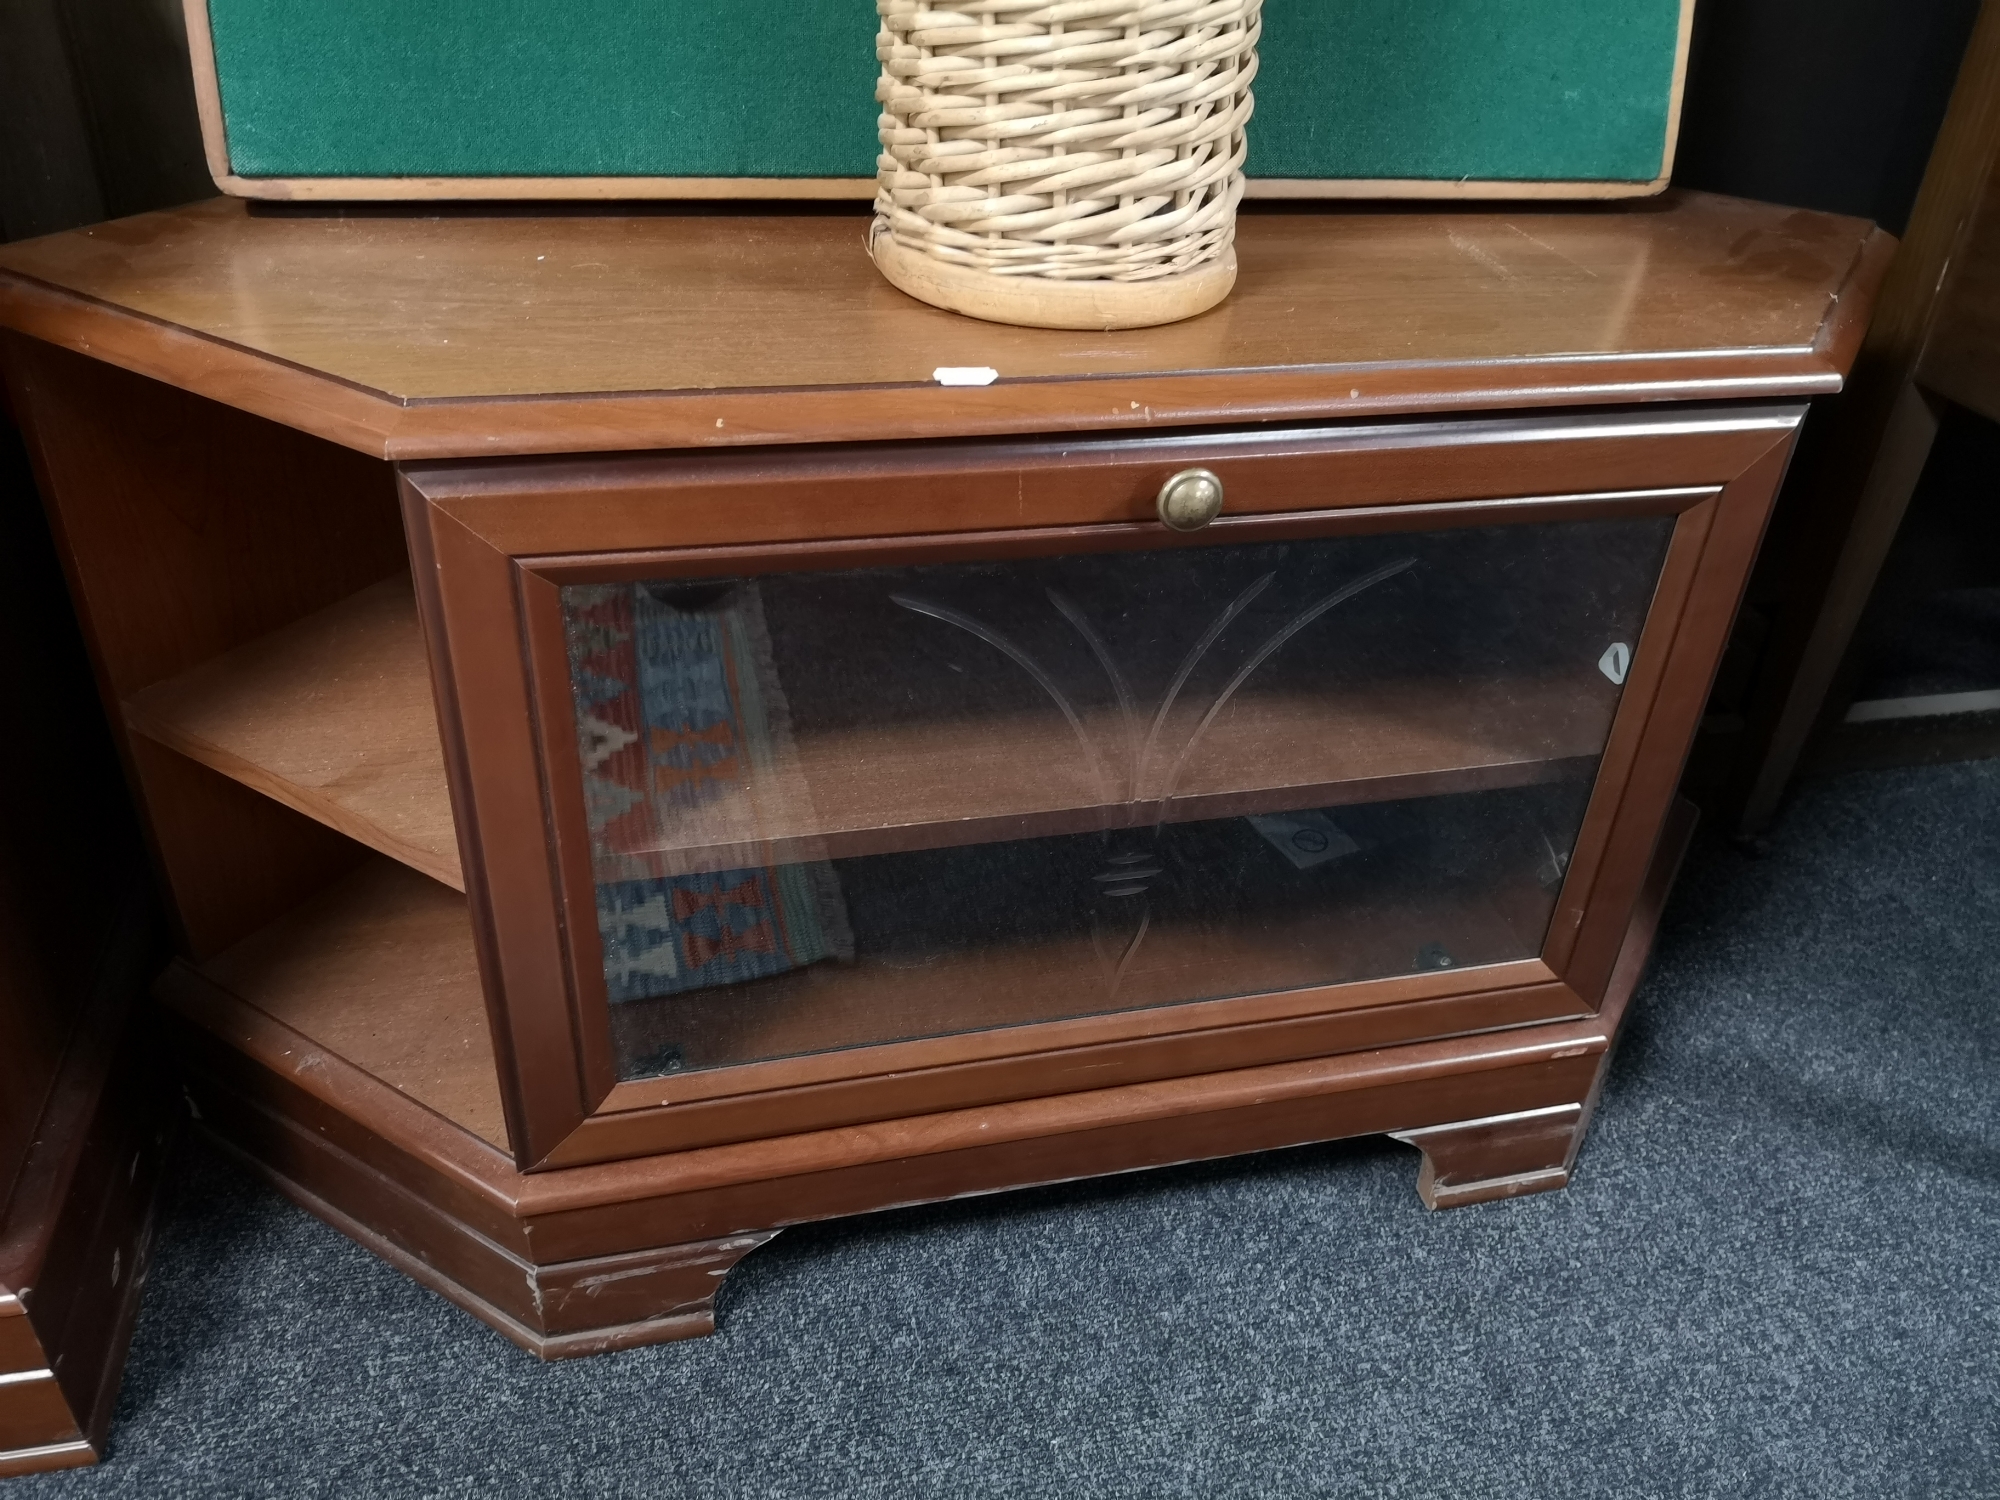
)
(1191, 499)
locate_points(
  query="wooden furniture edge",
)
(181, 714)
(1669, 855)
(1852, 309)
(1727, 558)
(75, 1453)
(691, 1318)
(86, 1203)
(453, 1154)
(626, 1126)
(322, 406)
(450, 1153)
(385, 426)
(614, 1222)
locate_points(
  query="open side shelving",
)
(334, 717)
(379, 969)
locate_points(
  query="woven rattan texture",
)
(1092, 140)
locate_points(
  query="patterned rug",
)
(679, 707)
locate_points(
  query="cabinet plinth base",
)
(578, 1260)
(1505, 1156)
(578, 1307)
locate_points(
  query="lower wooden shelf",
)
(582, 1259)
(380, 970)
(888, 997)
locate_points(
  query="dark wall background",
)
(1828, 104)
(96, 120)
(1833, 104)
(97, 116)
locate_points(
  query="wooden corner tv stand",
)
(637, 763)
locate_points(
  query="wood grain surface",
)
(379, 970)
(332, 716)
(189, 528)
(431, 1072)
(881, 788)
(418, 335)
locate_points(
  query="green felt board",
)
(1515, 90)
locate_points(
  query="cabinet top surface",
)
(488, 333)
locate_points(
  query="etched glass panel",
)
(838, 808)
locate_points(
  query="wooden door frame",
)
(486, 541)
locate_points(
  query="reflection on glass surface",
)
(830, 809)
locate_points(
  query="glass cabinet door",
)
(839, 808)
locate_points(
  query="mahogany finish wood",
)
(189, 529)
(211, 395)
(1476, 1161)
(492, 544)
(878, 790)
(381, 970)
(1531, 1151)
(331, 716)
(309, 320)
(451, 1212)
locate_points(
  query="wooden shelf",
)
(887, 997)
(892, 788)
(333, 717)
(379, 969)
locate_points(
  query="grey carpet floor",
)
(1778, 1273)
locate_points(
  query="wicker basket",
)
(1067, 165)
